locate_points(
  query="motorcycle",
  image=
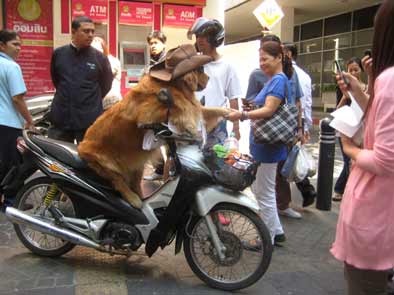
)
(38, 107)
(70, 205)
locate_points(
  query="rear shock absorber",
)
(50, 195)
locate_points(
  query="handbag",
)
(280, 128)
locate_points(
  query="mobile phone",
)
(340, 72)
(245, 102)
(368, 52)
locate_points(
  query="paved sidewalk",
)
(302, 267)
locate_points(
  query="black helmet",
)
(211, 28)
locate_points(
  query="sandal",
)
(337, 197)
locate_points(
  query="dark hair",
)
(76, 23)
(355, 60)
(270, 37)
(383, 42)
(274, 49)
(8, 35)
(157, 35)
(292, 48)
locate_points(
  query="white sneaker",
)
(153, 176)
(290, 213)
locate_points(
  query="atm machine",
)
(134, 58)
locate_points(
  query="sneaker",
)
(290, 213)
(153, 176)
(279, 240)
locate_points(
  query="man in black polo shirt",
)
(82, 76)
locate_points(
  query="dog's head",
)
(195, 80)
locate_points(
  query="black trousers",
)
(365, 281)
(9, 155)
(66, 135)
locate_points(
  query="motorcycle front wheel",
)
(30, 199)
(248, 248)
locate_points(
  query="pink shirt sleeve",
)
(380, 160)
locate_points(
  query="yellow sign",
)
(268, 13)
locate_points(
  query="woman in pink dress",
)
(365, 232)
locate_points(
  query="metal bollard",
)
(326, 165)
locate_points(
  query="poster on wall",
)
(135, 13)
(179, 15)
(33, 20)
(97, 10)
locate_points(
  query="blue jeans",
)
(217, 136)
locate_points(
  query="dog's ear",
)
(191, 80)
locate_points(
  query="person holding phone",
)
(364, 238)
(355, 68)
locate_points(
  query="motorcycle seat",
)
(63, 151)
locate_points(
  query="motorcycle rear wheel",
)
(205, 263)
(30, 200)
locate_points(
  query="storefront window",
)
(311, 63)
(363, 18)
(362, 37)
(296, 33)
(311, 46)
(338, 41)
(337, 24)
(312, 30)
(343, 39)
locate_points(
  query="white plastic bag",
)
(310, 161)
(304, 166)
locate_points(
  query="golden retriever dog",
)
(112, 146)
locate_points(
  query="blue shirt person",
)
(280, 87)
(13, 109)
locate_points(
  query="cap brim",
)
(190, 64)
(159, 71)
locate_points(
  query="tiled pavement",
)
(304, 266)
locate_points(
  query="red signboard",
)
(135, 13)
(35, 63)
(33, 20)
(179, 16)
(97, 10)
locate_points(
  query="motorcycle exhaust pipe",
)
(17, 216)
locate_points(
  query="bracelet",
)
(244, 116)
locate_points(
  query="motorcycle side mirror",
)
(165, 97)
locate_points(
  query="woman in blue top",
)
(278, 70)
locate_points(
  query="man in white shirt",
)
(223, 84)
(307, 190)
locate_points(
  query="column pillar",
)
(214, 9)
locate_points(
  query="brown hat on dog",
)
(178, 61)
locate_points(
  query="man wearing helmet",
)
(223, 82)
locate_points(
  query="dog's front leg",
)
(213, 115)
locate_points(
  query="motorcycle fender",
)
(208, 197)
